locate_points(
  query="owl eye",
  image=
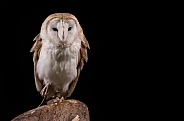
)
(54, 29)
(69, 28)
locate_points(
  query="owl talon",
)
(55, 100)
(62, 98)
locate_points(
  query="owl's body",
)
(58, 66)
(59, 54)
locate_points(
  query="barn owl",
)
(60, 51)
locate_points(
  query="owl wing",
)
(36, 49)
(82, 57)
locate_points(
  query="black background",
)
(117, 82)
(20, 23)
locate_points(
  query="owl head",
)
(61, 29)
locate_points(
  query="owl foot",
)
(57, 98)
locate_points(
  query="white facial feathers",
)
(61, 32)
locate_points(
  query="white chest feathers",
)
(58, 65)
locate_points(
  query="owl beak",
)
(62, 40)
